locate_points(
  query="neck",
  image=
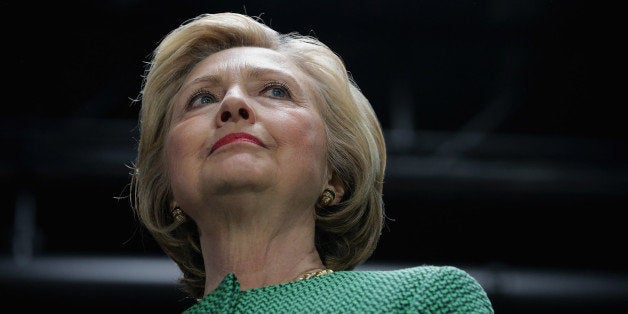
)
(259, 248)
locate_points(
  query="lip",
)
(236, 137)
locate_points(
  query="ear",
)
(173, 204)
(336, 185)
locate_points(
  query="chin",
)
(238, 176)
(237, 186)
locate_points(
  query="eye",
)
(201, 98)
(276, 90)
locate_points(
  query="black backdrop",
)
(506, 142)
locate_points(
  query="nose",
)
(235, 106)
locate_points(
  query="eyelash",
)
(198, 93)
(265, 88)
(278, 84)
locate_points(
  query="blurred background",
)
(506, 141)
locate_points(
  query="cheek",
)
(182, 147)
(176, 149)
(316, 140)
(187, 140)
(306, 136)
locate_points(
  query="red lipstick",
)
(236, 137)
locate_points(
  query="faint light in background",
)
(24, 228)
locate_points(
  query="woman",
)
(259, 172)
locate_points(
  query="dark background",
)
(505, 132)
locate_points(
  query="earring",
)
(326, 198)
(178, 214)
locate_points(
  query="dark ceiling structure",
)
(507, 146)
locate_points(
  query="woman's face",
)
(245, 121)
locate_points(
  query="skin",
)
(254, 203)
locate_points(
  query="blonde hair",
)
(347, 233)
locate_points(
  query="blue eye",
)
(201, 98)
(276, 90)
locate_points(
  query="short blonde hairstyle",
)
(347, 233)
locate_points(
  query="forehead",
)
(245, 60)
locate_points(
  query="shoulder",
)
(425, 289)
(444, 289)
(418, 275)
(437, 275)
(422, 289)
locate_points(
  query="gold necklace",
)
(314, 273)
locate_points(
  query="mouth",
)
(236, 137)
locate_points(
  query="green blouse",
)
(421, 289)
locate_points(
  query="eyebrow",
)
(249, 72)
(253, 72)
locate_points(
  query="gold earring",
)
(326, 198)
(178, 215)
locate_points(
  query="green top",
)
(422, 289)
